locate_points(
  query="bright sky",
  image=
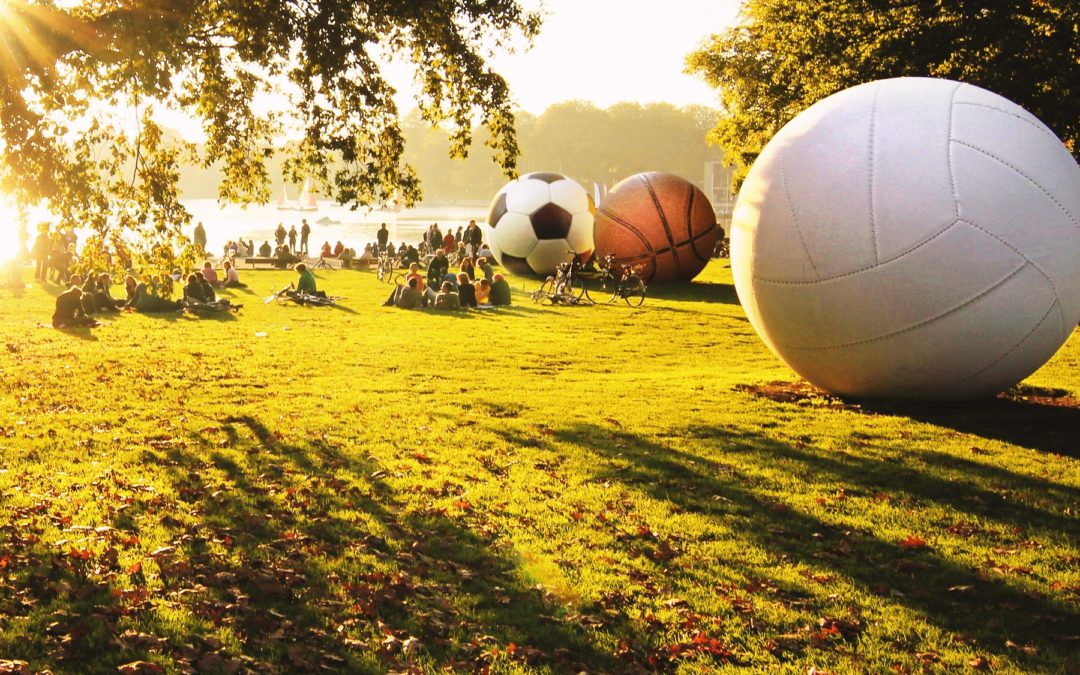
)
(608, 51)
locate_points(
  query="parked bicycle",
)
(612, 282)
(566, 287)
(387, 269)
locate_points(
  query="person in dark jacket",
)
(438, 268)
(69, 311)
(500, 291)
(466, 291)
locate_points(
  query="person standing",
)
(279, 234)
(292, 239)
(305, 232)
(383, 236)
(475, 235)
(41, 253)
(199, 237)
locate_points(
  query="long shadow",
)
(882, 476)
(1048, 424)
(696, 291)
(81, 332)
(1003, 612)
(297, 563)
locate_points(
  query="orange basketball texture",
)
(659, 221)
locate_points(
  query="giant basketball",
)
(911, 238)
(659, 221)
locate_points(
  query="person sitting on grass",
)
(438, 268)
(69, 311)
(346, 258)
(103, 297)
(147, 300)
(468, 268)
(210, 274)
(483, 292)
(447, 298)
(466, 291)
(484, 263)
(411, 255)
(196, 289)
(285, 257)
(89, 289)
(408, 296)
(500, 291)
(414, 273)
(232, 277)
(305, 284)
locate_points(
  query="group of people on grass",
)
(83, 298)
(443, 290)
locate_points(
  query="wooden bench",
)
(260, 261)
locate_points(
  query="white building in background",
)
(718, 189)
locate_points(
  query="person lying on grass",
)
(305, 285)
(69, 311)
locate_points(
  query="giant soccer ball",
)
(911, 238)
(537, 221)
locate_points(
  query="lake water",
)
(352, 228)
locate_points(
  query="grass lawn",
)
(364, 489)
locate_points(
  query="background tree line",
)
(577, 138)
(784, 55)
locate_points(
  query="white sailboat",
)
(307, 197)
(283, 203)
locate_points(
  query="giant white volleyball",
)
(911, 238)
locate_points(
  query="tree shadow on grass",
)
(919, 579)
(1047, 420)
(304, 553)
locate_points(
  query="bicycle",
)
(624, 281)
(387, 269)
(566, 287)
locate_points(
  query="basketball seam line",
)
(690, 227)
(1005, 242)
(795, 218)
(664, 222)
(949, 152)
(873, 216)
(914, 248)
(637, 233)
(1034, 182)
(916, 326)
(1015, 346)
(1037, 126)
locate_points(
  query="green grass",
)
(553, 489)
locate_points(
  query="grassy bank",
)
(360, 488)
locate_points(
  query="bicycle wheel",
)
(397, 279)
(545, 292)
(595, 288)
(633, 291)
(576, 287)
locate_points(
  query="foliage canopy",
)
(220, 61)
(784, 55)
